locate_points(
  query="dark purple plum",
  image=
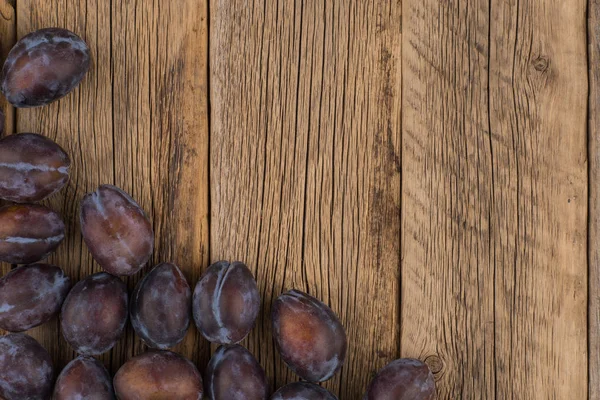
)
(158, 375)
(30, 295)
(234, 374)
(226, 302)
(84, 378)
(309, 336)
(303, 391)
(403, 379)
(44, 66)
(94, 314)
(28, 233)
(32, 167)
(26, 370)
(116, 230)
(161, 307)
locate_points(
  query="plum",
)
(116, 230)
(161, 307)
(226, 302)
(234, 374)
(303, 391)
(84, 378)
(309, 336)
(32, 168)
(158, 375)
(44, 66)
(26, 370)
(30, 295)
(28, 233)
(403, 379)
(94, 314)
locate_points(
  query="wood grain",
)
(494, 196)
(540, 260)
(8, 31)
(305, 165)
(419, 165)
(594, 198)
(139, 120)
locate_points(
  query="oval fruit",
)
(26, 370)
(226, 302)
(403, 379)
(161, 307)
(32, 167)
(94, 314)
(309, 336)
(158, 375)
(44, 66)
(84, 378)
(28, 233)
(30, 295)
(303, 391)
(116, 230)
(234, 374)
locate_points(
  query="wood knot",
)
(383, 354)
(435, 363)
(541, 63)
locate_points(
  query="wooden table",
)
(428, 168)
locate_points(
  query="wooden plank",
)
(447, 279)
(305, 165)
(594, 198)
(539, 85)
(494, 196)
(8, 31)
(139, 120)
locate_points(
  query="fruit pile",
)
(43, 67)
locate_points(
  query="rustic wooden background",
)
(428, 168)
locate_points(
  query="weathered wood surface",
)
(594, 197)
(8, 32)
(139, 120)
(305, 165)
(419, 165)
(494, 196)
